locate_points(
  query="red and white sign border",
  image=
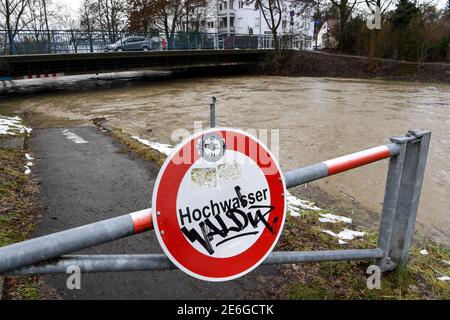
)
(155, 213)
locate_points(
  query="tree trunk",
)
(276, 42)
(342, 18)
(49, 39)
(12, 47)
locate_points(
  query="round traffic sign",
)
(219, 204)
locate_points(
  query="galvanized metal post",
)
(390, 204)
(412, 181)
(213, 112)
(403, 188)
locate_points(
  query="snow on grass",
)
(295, 205)
(424, 252)
(11, 125)
(444, 278)
(163, 148)
(331, 218)
(29, 164)
(346, 235)
(446, 262)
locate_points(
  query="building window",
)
(210, 24)
(241, 4)
(257, 22)
(240, 22)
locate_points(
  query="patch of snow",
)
(424, 252)
(446, 262)
(74, 137)
(29, 164)
(7, 124)
(163, 148)
(346, 235)
(295, 205)
(331, 218)
(444, 278)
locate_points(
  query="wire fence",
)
(78, 41)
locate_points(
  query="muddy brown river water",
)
(318, 119)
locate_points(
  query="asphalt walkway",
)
(87, 176)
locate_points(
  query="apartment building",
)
(238, 18)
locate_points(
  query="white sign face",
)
(219, 205)
(212, 191)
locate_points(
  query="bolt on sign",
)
(219, 205)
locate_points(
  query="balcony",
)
(225, 29)
(224, 12)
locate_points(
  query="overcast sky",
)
(75, 4)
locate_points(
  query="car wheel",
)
(119, 49)
(146, 49)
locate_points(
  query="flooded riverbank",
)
(318, 119)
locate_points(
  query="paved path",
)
(85, 177)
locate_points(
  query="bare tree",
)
(112, 17)
(45, 4)
(13, 12)
(167, 15)
(272, 13)
(195, 9)
(345, 9)
(140, 16)
(67, 20)
(89, 20)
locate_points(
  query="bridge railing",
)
(79, 41)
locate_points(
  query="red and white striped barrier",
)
(43, 75)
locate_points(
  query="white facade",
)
(235, 17)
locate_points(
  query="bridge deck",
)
(27, 65)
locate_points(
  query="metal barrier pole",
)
(328, 168)
(57, 244)
(158, 262)
(212, 118)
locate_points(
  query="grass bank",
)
(19, 208)
(323, 64)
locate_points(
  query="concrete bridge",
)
(50, 65)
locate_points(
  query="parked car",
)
(130, 44)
